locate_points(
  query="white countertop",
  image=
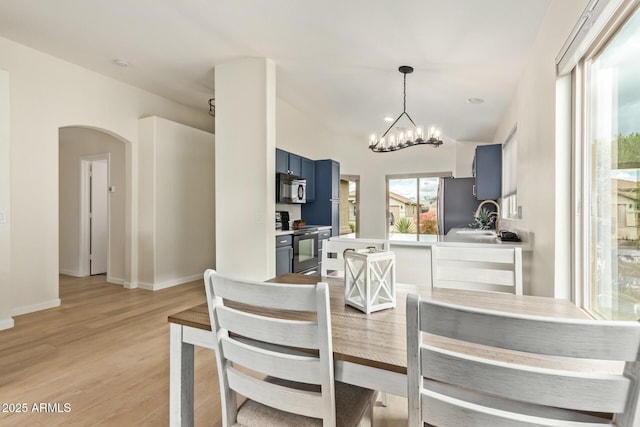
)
(285, 232)
(452, 238)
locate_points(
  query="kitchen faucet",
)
(497, 212)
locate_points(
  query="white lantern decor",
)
(370, 279)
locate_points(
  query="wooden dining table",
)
(369, 349)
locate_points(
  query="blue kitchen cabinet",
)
(308, 172)
(325, 209)
(288, 163)
(294, 164)
(487, 170)
(282, 161)
(284, 254)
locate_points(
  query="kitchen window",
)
(412, 204)
(607, 99)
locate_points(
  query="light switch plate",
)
(3, 217)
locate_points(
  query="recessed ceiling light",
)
(388, 119)
(475, 100)
(121, 62)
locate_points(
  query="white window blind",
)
(510, 176)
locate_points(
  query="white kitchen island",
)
(413, 252)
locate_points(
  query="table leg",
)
(180, 379)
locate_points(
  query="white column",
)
(5, 229)
(245, 168)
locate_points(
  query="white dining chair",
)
(499, 385)
(477, 268)
(299, 388)
(332, 263)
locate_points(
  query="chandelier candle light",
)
(397, 139)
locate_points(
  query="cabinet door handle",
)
(474, 190)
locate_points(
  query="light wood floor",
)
(105, 353)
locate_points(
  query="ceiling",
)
(336, 60)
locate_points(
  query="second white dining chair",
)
(258, 327)
(496, 269)
(450, 387)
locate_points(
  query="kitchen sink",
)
(475, 232)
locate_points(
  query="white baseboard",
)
(73, 273)
(35, 307)
(169, 283)
(130, 285)
(115, 280)
(6, 324)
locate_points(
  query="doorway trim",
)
(85, 224)
(356, 179)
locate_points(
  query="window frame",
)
(416, 176)
(581, 156)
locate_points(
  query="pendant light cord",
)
(404, 103)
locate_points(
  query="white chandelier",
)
(399, 138)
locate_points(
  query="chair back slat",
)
(445, 406)
(565, 389)
(488, 269)
(588, 339)
(476, 275)
(280, 364)
(307, 403)
(465, 253)
(298, 333)
(267, 295)
(333, 253)
(489, 372)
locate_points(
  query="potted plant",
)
(484, 220)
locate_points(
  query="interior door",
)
(99, 238)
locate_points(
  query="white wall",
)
(76, 142)
(534, 111)
(5, 207)
(177, 211)
(245, 167)
(47, 94)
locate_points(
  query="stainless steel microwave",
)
(290, 189)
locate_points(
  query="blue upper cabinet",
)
(487, 170)
(282, 161)
(288, 163)
(293, 164)
(309, 173)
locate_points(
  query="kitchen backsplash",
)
(294, 211)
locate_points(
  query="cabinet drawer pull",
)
(283, 241)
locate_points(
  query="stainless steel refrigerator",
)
(456, 203)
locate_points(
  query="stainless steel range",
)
(305, 251)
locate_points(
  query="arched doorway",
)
(81, 150)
